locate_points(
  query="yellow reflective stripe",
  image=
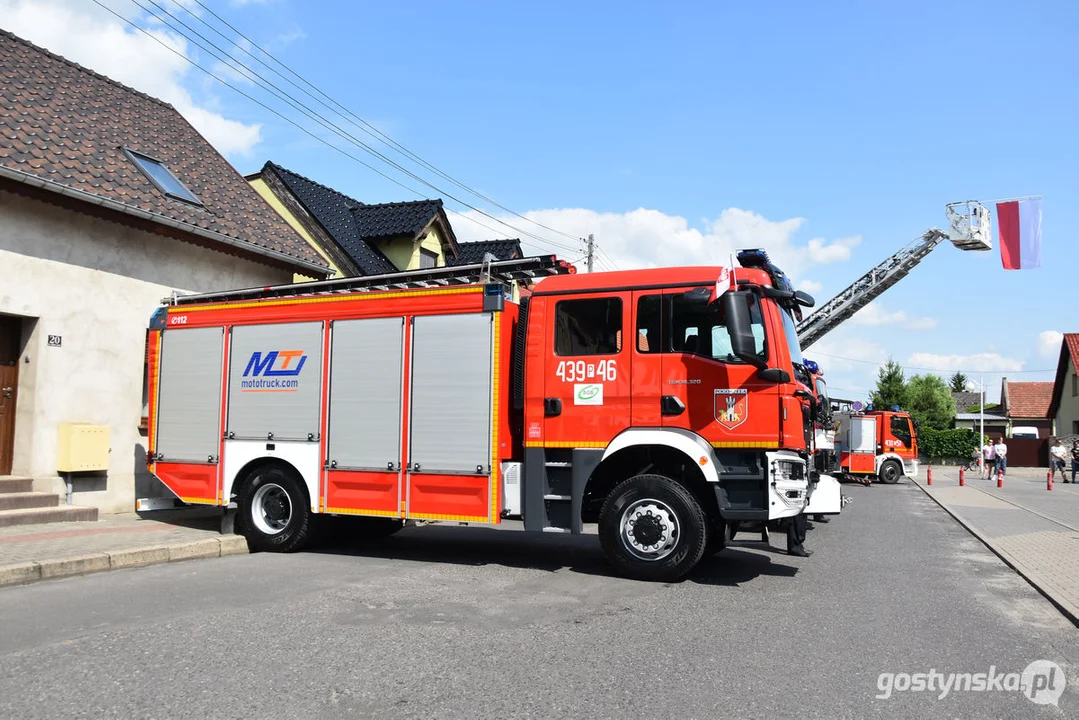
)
(746, 444)
(199, 501)
(461, 518)
(495, 390)
(354, 511)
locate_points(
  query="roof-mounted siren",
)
(969, 225)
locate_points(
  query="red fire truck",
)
(635, 399)
(881, 444)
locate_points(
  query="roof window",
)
(162, 177)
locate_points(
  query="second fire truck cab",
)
(881, 444)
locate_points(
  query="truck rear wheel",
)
(652, 528)
(890, 472)
(273, 510)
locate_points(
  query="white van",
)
(1024, 432)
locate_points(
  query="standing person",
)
(1057, 455)
(989, 459)
(1001, 452)
(1075, 459)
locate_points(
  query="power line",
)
(248, 74)
(345, 111)
(927, 369)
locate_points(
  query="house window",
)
(588, 327)
(1075, 384)
(162, 177)
(428, 259)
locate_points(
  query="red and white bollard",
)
(929, 476)
(1049, 480)
(962, 477)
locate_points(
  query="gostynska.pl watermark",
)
(1042, 682)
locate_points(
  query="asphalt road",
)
(467, 622)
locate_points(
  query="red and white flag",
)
(1020, 223)
(724, 282)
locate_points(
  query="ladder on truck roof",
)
(969, 231)
(496, 271)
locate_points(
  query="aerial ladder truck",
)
(882, 443)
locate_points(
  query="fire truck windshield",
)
(791, 332)
(701, 330)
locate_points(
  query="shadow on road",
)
(576, 553)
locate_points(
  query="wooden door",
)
(10, 330)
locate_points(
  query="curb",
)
(1065, 608)
(29, 572)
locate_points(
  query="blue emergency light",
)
(811, 366)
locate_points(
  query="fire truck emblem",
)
(732, 407)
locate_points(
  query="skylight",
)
(162, 177)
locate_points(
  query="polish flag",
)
(724, 282)
(1020, 223)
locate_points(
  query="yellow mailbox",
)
(82, 448)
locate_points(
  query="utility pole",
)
(591, 250)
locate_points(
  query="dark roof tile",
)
(474, 252)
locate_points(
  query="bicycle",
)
(973, 463)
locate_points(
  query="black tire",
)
(890, 472)
(671, 517)
(274, 513)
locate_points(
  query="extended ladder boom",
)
(867, 288)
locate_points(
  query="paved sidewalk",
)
(37, 552)
(1033, 529)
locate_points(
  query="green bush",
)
(942, 445)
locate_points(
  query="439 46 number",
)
(581, 371)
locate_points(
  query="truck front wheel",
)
(273, 510)
(652, 528)
(890, 472)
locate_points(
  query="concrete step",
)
(36, 516)
(15, 484)
(23, 500)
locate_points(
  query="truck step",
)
(556, 530)
(559, 464)
(565, 498)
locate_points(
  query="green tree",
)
(891, 387)
(929, 400)
(958, 382)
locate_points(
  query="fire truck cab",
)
(638, 400)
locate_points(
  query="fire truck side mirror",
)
(774, 375)
(804, 299)
(736, 310)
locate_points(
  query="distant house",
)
(1064, 404)
(965, 401)
(109, 202)
(995, 425)
(1026, 404)
(357, 238)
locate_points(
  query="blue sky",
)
(833, 133)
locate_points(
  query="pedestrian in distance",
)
(1075, 459)
(1000, 450)
(989, 459)
(1057, 455)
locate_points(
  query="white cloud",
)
(982, 362)
(1049, 343)
(89, 35)
(874, 315)
(649, 238)
(810, 286)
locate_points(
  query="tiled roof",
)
(338, 214)
(1029, 399)
(395, 219)
(964, 400)
(474, 252)
(67, 125)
